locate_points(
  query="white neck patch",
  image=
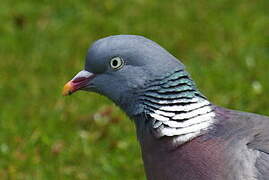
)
(184, 122)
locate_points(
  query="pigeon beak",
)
(80, 81)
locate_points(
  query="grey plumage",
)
(182, 134)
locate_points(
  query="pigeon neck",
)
(175, 108)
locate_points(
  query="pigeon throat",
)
(175, 108)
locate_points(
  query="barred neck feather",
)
(176, 108)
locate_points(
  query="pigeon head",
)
(118, 66)
(145, 81)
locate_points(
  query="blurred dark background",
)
(223, 43)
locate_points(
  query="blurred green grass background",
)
(223, 43)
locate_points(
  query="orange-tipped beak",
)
(81, 80)
(68, 88)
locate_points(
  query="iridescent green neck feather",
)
(175, 107)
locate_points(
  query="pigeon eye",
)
(116, 63)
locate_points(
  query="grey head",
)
(117, 66)
(148, 83)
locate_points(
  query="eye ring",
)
(116, 63)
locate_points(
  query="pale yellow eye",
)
(116, 63)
